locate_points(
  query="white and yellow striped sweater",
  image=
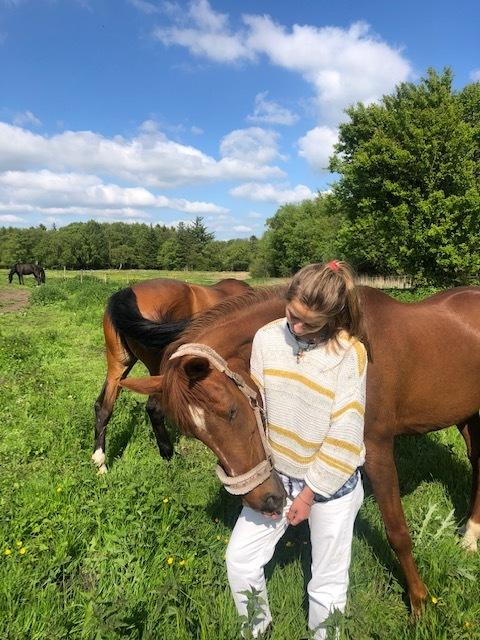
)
(315, 407)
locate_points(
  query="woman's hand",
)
(300, 507)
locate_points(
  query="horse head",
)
(219, 404)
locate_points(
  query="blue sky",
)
(147, 111)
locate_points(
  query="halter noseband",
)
(244, 483)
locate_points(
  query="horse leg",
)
(470, 431)
(157, 419)
(119, 366)
(382, 473)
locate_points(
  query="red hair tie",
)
(333, 265)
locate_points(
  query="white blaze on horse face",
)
(98, 458)
(198, 417)
(472, 534)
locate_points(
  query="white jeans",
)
(253, 542)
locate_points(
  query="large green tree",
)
(409, 182)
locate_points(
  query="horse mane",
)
(222, 311)
(182, 392)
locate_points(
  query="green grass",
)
(97, 549)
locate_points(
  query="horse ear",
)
(196, 368)
(147, 385)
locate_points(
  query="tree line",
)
(406, 201)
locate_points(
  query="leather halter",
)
(238, 485)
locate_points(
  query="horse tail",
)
(154, 335)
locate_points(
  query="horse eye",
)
(232, 414)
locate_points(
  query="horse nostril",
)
(272, 503)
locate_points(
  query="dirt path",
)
(13, 299)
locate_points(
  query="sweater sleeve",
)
(256, 366)
(342, 450)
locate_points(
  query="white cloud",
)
(209, 34)
(316, 146)
(197, 131)
(9, 218)
(26, 118)
(280, 194)
(475, 75)
(270, 112)
(255, 215)
(253, 145)
(242, 228)
(149, 158)
(73, 194)
(343, 65)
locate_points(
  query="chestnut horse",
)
(139, 322)
(423, 375)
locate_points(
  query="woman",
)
(311, 370)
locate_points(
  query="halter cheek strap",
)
(237, 485)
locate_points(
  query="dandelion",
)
(467, 624)
(182, 563)
(59, 489)
(219, 537)
(170, 561)
(22, 551)
(225, 540)
(434, 600)
(217, 520)
(7, 552)
(19, 543)
(165, 500)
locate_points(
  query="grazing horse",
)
(423, 375)
(139, 322)
(26, 270)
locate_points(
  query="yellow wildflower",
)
(170, 561)
(225, 540)
(7, 552)
(182, 563)
(19, 543)
(467, 625)
(219, 537)
(59, 489)
(217, 520)
(165, 500)
(434, 600)
(22, 551)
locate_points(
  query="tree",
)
(303, 233)
(409, 182)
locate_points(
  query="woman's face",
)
(304, 322)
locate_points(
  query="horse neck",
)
(233, 337)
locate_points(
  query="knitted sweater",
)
(314, 405)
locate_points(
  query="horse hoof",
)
(471, 533)
(102, 470)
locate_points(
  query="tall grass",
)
(139, 553)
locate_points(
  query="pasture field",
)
(139, 553)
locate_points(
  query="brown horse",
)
(139, 322)
(423, 375)
(26, 270)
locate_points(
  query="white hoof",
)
(98, 458)
(472, 534)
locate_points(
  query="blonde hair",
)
(330, 289)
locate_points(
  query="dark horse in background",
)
(139, 322)
(423, 375)
(26, 270)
